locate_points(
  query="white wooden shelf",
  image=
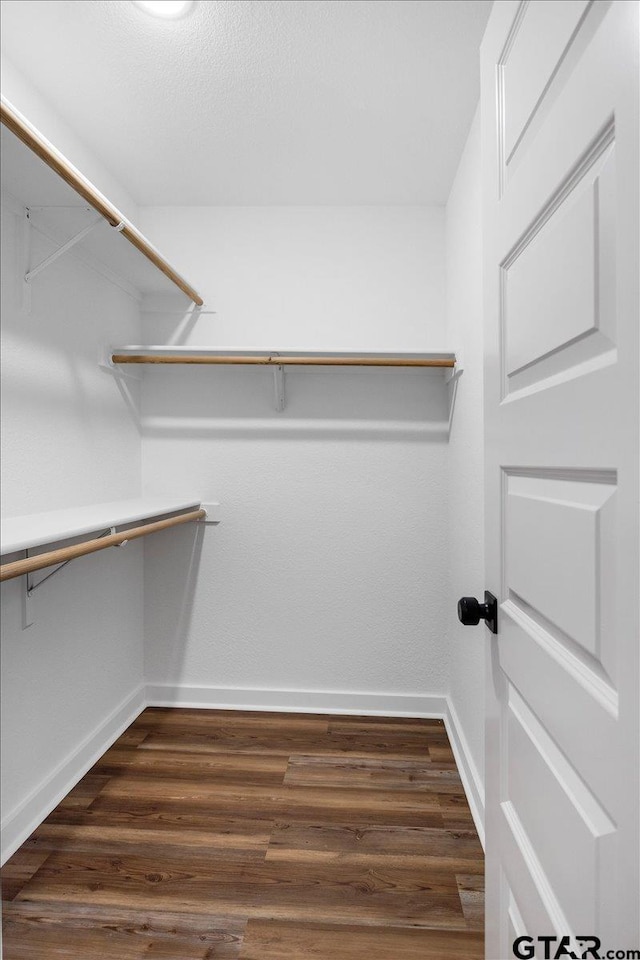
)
(38, 529)
(281, 360)
(61, 202)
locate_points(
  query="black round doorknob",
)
(470, 611)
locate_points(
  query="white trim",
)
(469, 774)
(54, 526)
(164, 348)
(429, 706)
(24, 819)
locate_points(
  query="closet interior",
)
(319, 328)
(232, 488)
(62, 221)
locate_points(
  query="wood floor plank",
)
(269, 940)
(230, 840)
(430, 847)
(33, 931)
(471, 889)
(273, 890)
(160, 814)
(441, 752)
(132, 736)
(216, 834)
(373, 773)
(285, 802)
(400, 727)
(459, 820)
(85, 792)
(174, 764)
(19, 869)
(232, 721)
(361, 745)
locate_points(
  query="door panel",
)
(559, 107)
(558, 284)
(514, 915)
(535, 47)
(561, 796)
(557, 535)
(524, 889)
(579, 708)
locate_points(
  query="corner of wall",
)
(472, 780)
(463, 242)
(21, 822)
(25, 97)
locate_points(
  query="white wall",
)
(68, 439)
(465, 455)
(326, 584)
(335, 278)
(329, 570)
(35, 106)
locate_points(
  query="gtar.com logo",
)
(575, 948)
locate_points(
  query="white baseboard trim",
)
(429, 706)
(469, 774)
(297, 701)
(22, 821)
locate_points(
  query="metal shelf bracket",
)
(30, 274)
(451, 379)
(279, 387)
(29, 587)
(457, 370)
(106, 363)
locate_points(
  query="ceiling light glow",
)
(167, 9)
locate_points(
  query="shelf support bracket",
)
(28, 603)
(457, 370)
(212, 513)
(26, 259)
(30, 274)
(106, 363)
(279, 386)
(451, 381)
(29, 587)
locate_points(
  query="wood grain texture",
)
(56, 162)
(8, 571)
(303, 360)
(204, 834)
(267, 940)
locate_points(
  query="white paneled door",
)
(560, 160)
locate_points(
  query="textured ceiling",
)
(261, 101)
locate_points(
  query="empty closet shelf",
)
(53, 191)
(159, 355)
(100, 520)
(39, 529)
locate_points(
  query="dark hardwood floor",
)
(255, 836)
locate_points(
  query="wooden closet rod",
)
(274, 361)
(83, 188)
(19, 567)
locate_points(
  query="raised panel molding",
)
(553, 324)
(542, 786)
(530, 60)
(555, 534)
(560, 250)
